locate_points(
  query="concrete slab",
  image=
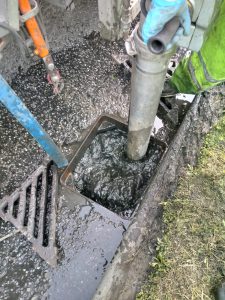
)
(89, 238)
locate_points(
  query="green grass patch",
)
(190, 260)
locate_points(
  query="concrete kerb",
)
(130, 265)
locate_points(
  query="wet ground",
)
(88, 236)
(94, 84)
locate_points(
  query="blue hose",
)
(14, 104)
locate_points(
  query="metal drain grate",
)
(32, 209)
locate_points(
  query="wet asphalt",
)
(94, 84)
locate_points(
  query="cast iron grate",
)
(32, 210)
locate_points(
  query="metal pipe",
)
(148, 76)
(158, 43)
(14, 104)
(144, 10)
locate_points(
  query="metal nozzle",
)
(159, 42)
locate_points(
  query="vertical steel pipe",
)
(148, 76)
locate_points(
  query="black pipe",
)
(158, 43)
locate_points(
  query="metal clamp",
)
(130, 44)
(32, 13)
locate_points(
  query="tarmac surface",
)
(94, 84)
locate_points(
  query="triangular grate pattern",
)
(32, 210)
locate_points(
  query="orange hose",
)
(34, 30)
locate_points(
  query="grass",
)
(190, 260)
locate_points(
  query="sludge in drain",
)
(105, 175)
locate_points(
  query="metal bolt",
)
(55, 78)
(50, 66)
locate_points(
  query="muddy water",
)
(107, 176)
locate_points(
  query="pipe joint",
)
(146, 60)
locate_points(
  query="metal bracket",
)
(112, 19)
(34, 11)
(130, 43)
(202, 17)
(134, 8)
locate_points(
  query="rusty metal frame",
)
(118, 122)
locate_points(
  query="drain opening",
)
(37, 205)
(16, 208)
(107, 176)
(48, 206)
(27, 205)
(5, 209)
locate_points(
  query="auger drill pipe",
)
(148, 76)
